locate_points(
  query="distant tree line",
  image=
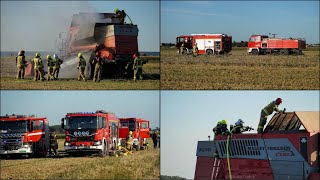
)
(164, 177)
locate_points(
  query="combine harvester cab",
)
(207, 43)
(90, 132)
(262, 44)
(140, 130)
(287, 149)
(23, 135)
(90, 33)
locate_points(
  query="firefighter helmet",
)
(278, 101)
(134, 55)
(239, 122)
(38, 54)
(55, 56)
(80, 54)
(130, 132)
(119, 147)
(21, 53)
(48, 56)
(223, 121)
(116, 10)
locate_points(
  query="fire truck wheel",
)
(254, 52)
(209, 52)
(138, 147)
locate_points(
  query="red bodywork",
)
(140, 128)
(264, 44)
(206, 43)
(37, 132)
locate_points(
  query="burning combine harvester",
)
(103, 33)
(288, 148)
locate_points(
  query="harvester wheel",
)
(209, 52)
(184, 51)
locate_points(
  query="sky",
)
(189, 116)
(241, 19)
(35, 25)
(56, 104)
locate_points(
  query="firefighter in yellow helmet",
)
(57, 66)
(50, 64)
(221, 128)
(182, 48)
(266, 111)
(137, 67)
(129, 141)
(21, 64)
(81, 66)
(38, 67)
(195, 50)
(121, 15)
(122, 151)
(53, 144)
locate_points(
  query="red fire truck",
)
(140, 130)
(262, 44)
(206, 43)
(289, 148)
(90, 132)
(23, 135)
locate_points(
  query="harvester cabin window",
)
(132, 125)
(124, 124)
(37, 125)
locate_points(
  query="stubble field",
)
(151, 79)
(239, 71)
(141, 165)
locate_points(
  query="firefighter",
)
(122, 151)
(195, 50)
(53, 144)
(121, 15)
(129, 141)
(97, 62)
(266, 111)
(81, 67)
(21, 64)
(221, 128)
(57, 66)
(182, 48)
(50, 64)
(137, 67)
(239, 128)
(38, 67)
(155, 139)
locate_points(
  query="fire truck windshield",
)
(13, 126)
(85, 122)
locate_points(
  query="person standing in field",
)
(129, 141)
(98, 62)
(155, 140)
(182, 48)
(50, 64)
(53, 144)
(57, 66)
(137, 67)
(195, 50)
(38, 67)
(81, 66)
(21, 64)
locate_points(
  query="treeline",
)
(234, 44)
(164, 177)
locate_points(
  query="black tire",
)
(184, 51)
(102, 153)
(209, 52)
(138, 147)
(284, 52)
(254, 52)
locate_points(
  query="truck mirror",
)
(62, 123)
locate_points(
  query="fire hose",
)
(148, 75)
(228, 160)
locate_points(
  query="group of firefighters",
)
(222, 129)
(195, 49)
(54, 65)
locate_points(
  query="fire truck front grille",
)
(77, 139)
(11, 143)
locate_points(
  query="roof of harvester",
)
(294, 120)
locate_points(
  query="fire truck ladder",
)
(217, 172)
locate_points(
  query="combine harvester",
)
(91, 33)
(23, 135)
(288, 148)
(262, 44)
(140, 130)
(207, 43)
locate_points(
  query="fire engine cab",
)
(140, 130)
(207, 43)
(288, 148)
(23, 135)
(90, 132)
